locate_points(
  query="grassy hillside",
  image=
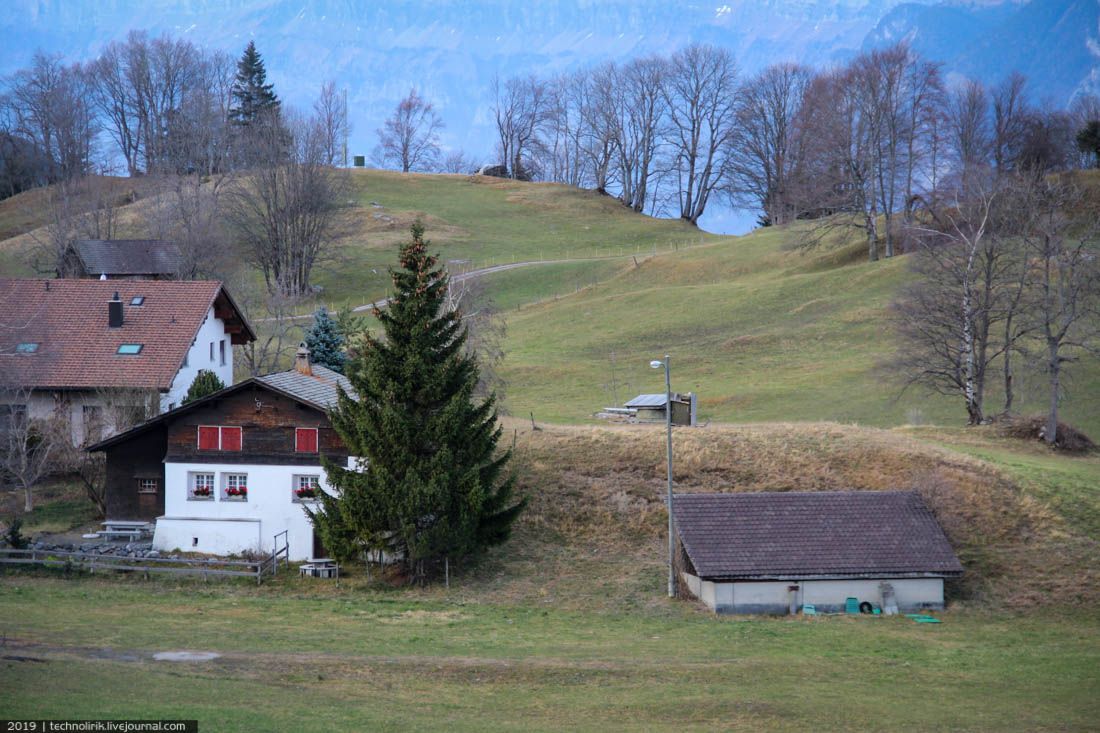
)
(761, 330)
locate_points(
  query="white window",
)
(211, 351)
(306, 488)
(221, 352)
(147, 485)
(201, 487)
(236, 487)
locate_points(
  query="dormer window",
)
(130, 349)
(27, 347)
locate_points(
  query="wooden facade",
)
(268, 422)
(129, 464)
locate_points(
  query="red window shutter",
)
(305, 440)
(231, 438)
(208, 437)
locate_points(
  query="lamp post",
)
(657, 364)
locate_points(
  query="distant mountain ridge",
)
(1055, 44)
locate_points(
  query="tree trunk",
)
(28, 500)
(1010, 396)
(872, 237)
(1054, 364)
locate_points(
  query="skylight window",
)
(27, 347)
(130, 349)
(137, 300)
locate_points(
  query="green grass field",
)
(355, 661)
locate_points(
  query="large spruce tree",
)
(431, 486)
(252, 97)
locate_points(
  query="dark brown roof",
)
(128, 256)
(800, 534)
(76, 349)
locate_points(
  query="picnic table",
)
(320, 567)
(124, 529)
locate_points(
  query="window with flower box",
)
(201, 487)
(306, 488)
(236, 487)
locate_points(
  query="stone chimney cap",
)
(301, 360)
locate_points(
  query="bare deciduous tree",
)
(765, 153)
(50, 106)
(457, 161)
(409, 139)
(637, 111)
(1009, 124)
(287, 212)
(701, 94)
(331, 113)
(27, 444)
(1065, 303)
(968, 125)
(277, 332)
(485, 331)
(520, 110)
(966, 269)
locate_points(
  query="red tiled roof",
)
(827, 533)
(77, 349)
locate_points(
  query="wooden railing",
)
(91, 562)
(270, 565)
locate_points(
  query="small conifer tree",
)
(252, 97)
(325, 342)
(432, 483)
(206, 383)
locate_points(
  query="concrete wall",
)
(213, 536)
(249, 524)
(828, 596)
(212, 331)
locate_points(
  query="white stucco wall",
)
(229, 536)
(212, 331)
(912, 594)
(270, 507)
(46, 405)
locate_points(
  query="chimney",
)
(114, 312)
(301, 360)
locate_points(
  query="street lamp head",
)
(656, 364)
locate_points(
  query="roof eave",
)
(818, 575)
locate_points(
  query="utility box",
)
(359, 161)
(683, 409)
